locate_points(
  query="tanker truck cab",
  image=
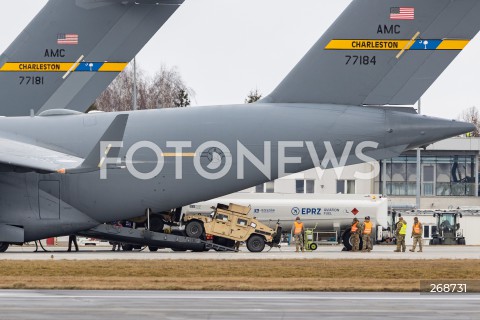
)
(232, 223)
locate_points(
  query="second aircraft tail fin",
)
(73, 49)
(382, 52)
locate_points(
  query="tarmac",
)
(287, 252)
(120, 305)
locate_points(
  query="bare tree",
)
(165, 90)
(472, 115)
(253, 96)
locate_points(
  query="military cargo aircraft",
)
(64, 172)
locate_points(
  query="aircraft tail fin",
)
(381, 53)
(73, 49)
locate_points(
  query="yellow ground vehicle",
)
(232, 223)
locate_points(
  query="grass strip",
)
(239, 275)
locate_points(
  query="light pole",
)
(419, 171)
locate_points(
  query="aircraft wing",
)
(27, 155)
(33, 156)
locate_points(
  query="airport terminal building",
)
(449, 178)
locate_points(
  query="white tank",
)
(325, 211)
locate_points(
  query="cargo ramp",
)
(144, 237)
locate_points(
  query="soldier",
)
(401, 231)
(298, 234)
(355, 235)
(417, 232)
(117, 245)
(72, 239)
(366, 235)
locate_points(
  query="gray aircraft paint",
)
(110, 31)
(392, 81)
(43, 203)
(123, 196)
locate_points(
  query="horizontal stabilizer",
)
(73, 49)
(27, 155)
(31, 156)
(381, 52)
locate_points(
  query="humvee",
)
(232, 223)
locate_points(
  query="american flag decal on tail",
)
(402, 13)
(67, 38)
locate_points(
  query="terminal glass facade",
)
(440, 175)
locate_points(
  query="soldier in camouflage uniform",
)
(355, 235)
(366, 231)
(298, 230)
(400, 232)
(417, 233)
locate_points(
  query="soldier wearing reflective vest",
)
(417, 233)
(298, 233)
(355, 235)
(367, 229)
(401, 231)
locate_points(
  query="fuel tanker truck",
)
(330, 215)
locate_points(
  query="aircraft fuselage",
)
(206, 152)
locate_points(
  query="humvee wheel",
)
(3, 246)
(255, 243)
(194, 229)
(156, 224)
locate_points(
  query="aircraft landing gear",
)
(347, 241)
(3, 246)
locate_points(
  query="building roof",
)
(456, 144)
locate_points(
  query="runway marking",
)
(415, 296)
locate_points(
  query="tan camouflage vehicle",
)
(231, 224)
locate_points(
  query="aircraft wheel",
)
(346, 239)
(255, 243)
(461, 241)
(127, 247)
(152, 249)
(194, 229)
(313, 246)
(3, 246)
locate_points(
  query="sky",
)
(225, 48)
